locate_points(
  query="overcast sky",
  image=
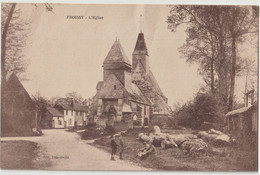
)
(67, 54)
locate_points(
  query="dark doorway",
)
(145, 121)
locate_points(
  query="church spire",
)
(140, 46)
(140, 54)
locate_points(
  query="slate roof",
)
(75, 107)
(133, 93)
(150, 88)
(99, 85)
(137, 95)
(140, 46)
(155, 83)
(54, 112)
(116, 54)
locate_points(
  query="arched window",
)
(115, 87)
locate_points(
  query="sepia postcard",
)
(129, 87)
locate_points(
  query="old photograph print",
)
(129, 87)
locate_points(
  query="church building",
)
(129, 92)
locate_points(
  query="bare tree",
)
(14, 34)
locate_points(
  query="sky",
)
(67, 54)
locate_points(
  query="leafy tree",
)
(42, 104)
(242, 21)
(213, 33)
(76, 97)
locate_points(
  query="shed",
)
(244, 119)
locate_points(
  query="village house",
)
(75, 115)
(129, 92)
(21, 115)
(52, 119)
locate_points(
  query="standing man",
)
(113, 147)
(121, 146)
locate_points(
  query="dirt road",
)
(66, 151)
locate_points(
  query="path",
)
(67, 151)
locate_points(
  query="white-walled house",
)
(53, 119)
(74, 115)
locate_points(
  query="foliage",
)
(77, 98)
(71, 96)
(204, 108)
(213, 36)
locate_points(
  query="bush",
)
(204, 108)
(110, 129)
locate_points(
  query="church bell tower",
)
(140, 55)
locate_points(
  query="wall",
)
(56, 122)
(254, 120)
(68, 117)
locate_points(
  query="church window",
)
(115, 87)
(144, 110)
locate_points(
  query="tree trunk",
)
(222, 72)
(212, 75)
(233, 73)
(222, 85)
(3, 54)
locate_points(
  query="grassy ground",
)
(18, 154)
(94, 131)
(215, 159)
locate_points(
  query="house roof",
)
(116, 54)
(75, 107)
(54, 112)
(15, 87)
(239, 111)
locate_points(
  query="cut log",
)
(180, 138)
(144, 137)
(171, 141)
(217, 137)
